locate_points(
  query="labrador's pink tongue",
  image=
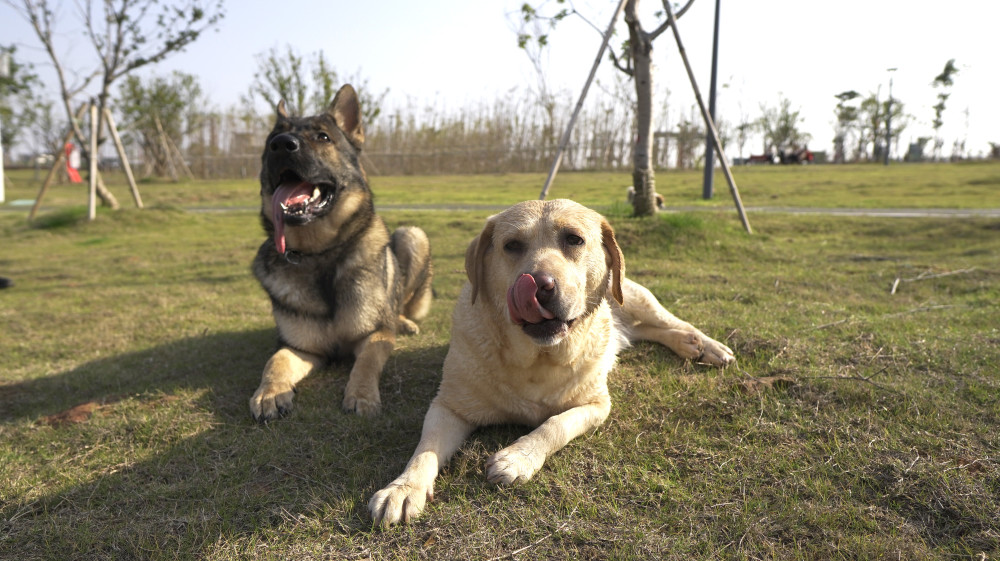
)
(522, 305)
(288, 193)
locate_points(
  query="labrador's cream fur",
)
(552, 376)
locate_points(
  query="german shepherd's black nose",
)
(285, 142)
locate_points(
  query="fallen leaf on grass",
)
(73, 415)
(431, 539)
(765, 383)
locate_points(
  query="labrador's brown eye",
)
(513, 246)
(573, 239)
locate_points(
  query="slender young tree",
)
(125, 35)
(944, 81)
(635, 60)
(780, 126)
(19, 103)
(173, 105)
(847, 123)
(307, 84)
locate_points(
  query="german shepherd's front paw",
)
(271, 401)
(406, 326)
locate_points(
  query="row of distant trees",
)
(516, 132)
(864, 124)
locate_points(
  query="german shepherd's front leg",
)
(361, 395)
(283, 371)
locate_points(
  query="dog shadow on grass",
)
(155, 452)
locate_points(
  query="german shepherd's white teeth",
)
(316, 193)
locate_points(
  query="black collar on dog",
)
(293, 257)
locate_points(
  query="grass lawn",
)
(947, 185)
(858, 423)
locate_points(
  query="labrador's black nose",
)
(546, 287)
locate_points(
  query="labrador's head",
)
(546, 264)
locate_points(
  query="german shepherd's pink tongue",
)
(523, 305)
(287, 194)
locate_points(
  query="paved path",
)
(880, 212)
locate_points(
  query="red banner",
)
(72, 162)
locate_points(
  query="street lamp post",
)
(4, 73)
(888, 119)
(707, 184)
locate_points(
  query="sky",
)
(451, 53)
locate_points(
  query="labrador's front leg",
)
(404, 498)
(519, 461)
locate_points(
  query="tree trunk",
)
(641, 47)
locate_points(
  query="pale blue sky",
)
(454, 52)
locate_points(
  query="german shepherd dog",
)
(339, 284)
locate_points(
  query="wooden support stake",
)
(579, 104)
(180, 158)
(708, 120)
(166, 149)
(60, 157)
(124, 159)
(92, 192)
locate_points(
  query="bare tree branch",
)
(666, 25)
(627, 68)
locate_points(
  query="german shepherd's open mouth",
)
(297, 202)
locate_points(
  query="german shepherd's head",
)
(311, 182)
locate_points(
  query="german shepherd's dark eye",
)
(513, 246)
(322, 137)
(573, 239)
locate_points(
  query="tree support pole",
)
(55, 166)
(179, 158)
(121, 155)
(708, 119)
(709, 180)
(92, 179)
(166, 148)
(579, 104)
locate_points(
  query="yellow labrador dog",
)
(534, 334)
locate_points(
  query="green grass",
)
(946, 185)
(858, 424)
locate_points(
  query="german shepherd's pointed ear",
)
(281, 110)
(616, 261)
(475, 258)
(346, 112)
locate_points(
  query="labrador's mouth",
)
(535, 320)
(548, 330)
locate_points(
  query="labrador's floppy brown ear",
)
(616, 261)
(475, 258)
